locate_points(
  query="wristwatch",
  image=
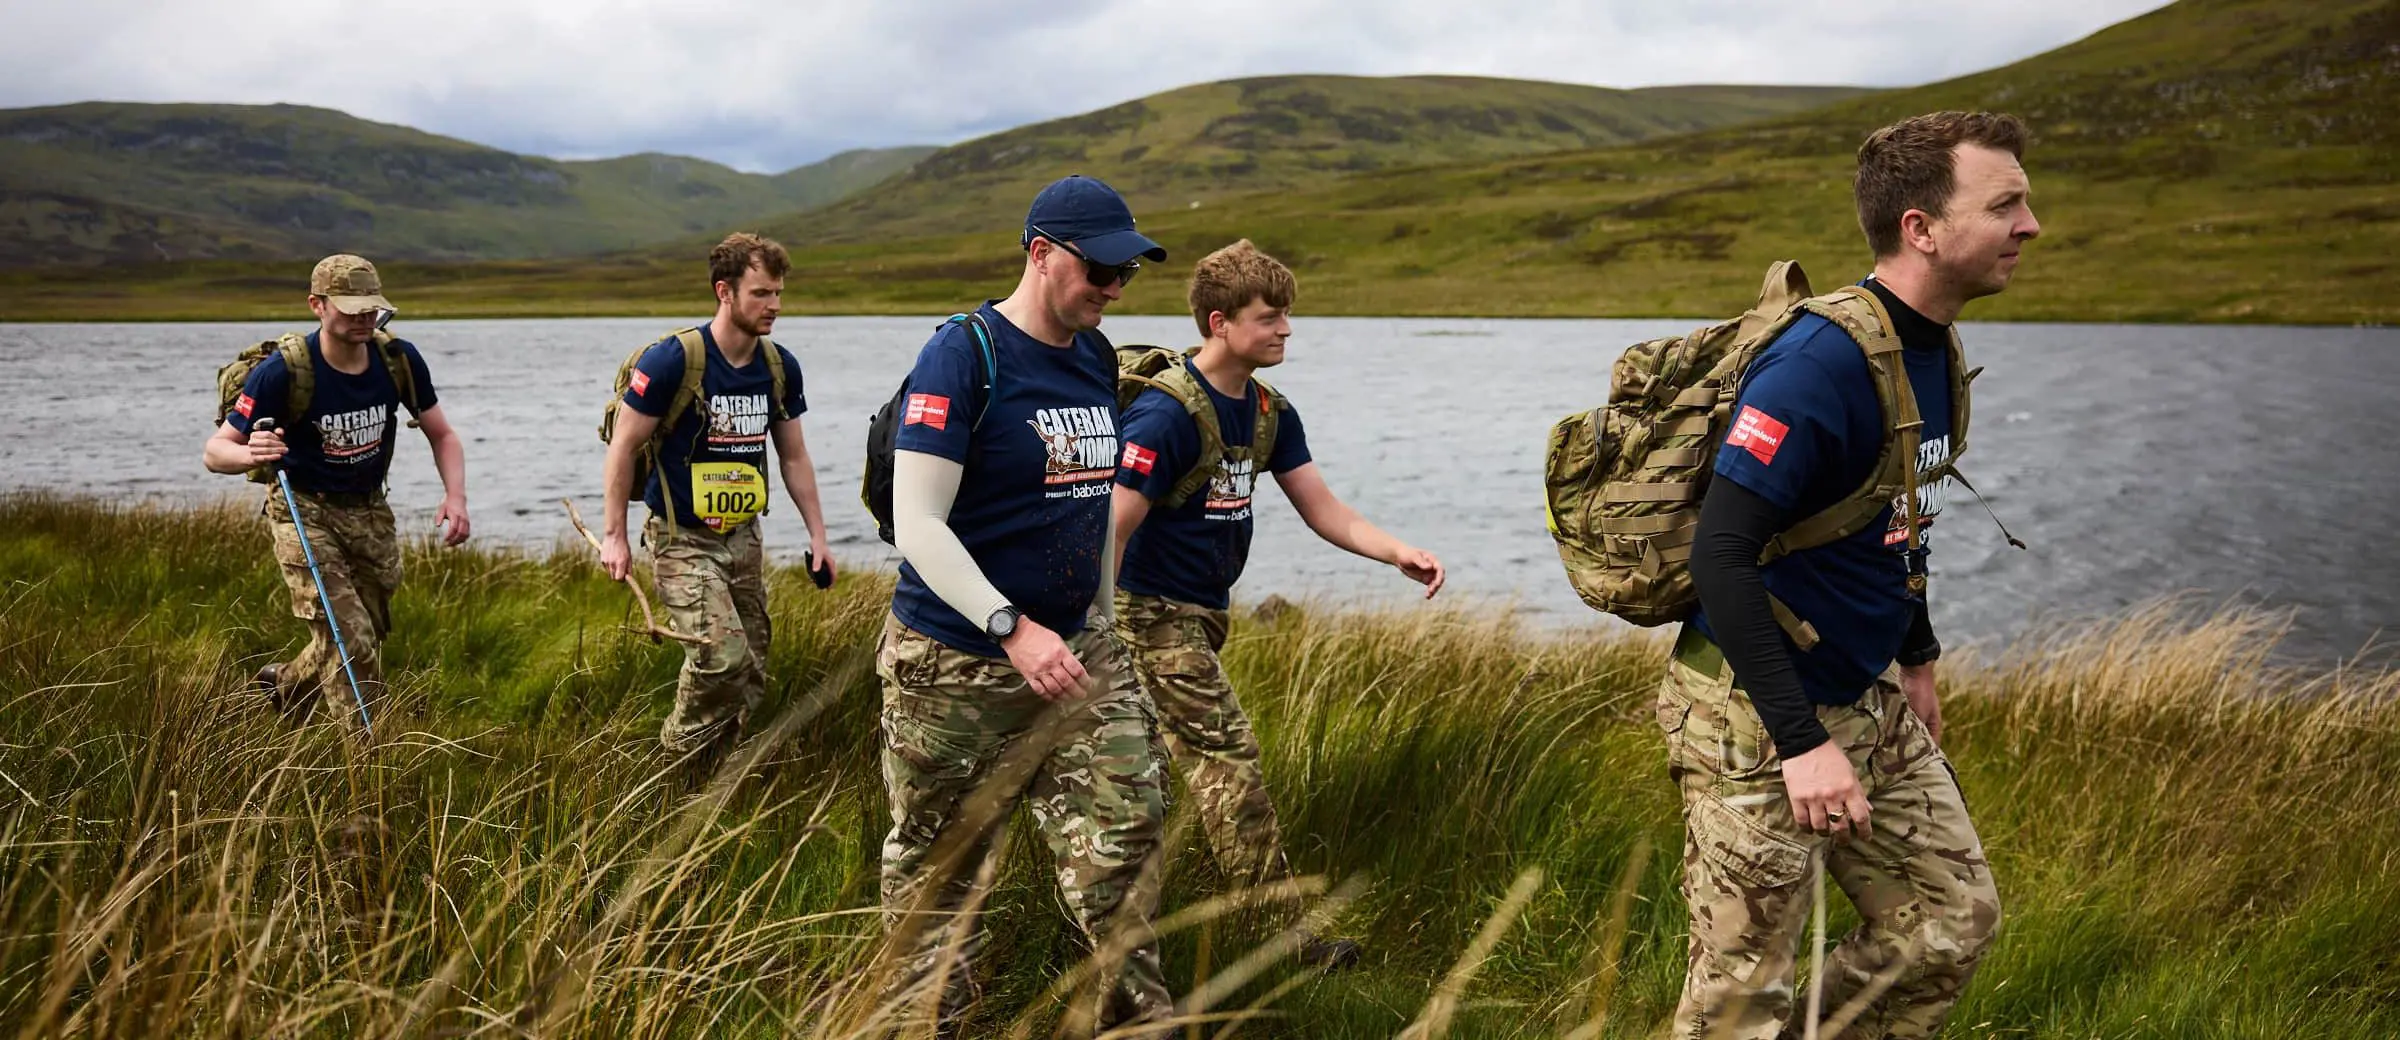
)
(1002, 623)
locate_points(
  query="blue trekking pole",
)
(323, 599)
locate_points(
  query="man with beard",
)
(1810, 741)
(703, 405)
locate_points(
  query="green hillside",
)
(2215, 160)
(1187, 147)
(106, 182)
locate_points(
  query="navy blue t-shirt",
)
(738, 411)
(343, 443)
(1196, 551)
(1806, 431)
(1032, 507)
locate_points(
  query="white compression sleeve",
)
(923, 489)
(1104, 603)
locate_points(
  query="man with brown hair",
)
(1791, 759)
(713, 397)
(1184, 542)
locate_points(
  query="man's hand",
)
(1421, 567)
(1916, 682)
(1824, 790)
(616, 557)
(266, 447)
(453, 520)
(1044, 660)
(820, 555)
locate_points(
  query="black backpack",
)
(883, 431)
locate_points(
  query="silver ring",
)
(1834, 814)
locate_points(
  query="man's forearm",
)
(1118, 536)
(450, 460)
(800, 481)
(222, 456)
(616, 475)
(923, 489)
(1345, 528)
(1734, 526)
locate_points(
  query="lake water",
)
(2242, 463)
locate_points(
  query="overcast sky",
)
(764, 85)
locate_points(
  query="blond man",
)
(1183, 524)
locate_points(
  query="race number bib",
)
(726, 495)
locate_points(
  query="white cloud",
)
(766, 85)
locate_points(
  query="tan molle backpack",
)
(294, 348)
(1623, 482)
(1142, 368)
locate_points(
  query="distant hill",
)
(2223, 160)
(1214, 140)
(110, 182)
(2214, 160)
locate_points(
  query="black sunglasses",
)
(1099, 274)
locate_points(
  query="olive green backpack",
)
(294, 348)
(1142, 368)
(687, 392)
(1623, 481)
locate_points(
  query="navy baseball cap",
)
(1089, 215)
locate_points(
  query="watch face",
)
(1001, 624)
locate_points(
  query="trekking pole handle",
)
(267, 425)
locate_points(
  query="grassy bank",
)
(2190, 842)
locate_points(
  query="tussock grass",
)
(2192, 839)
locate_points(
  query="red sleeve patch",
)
(1758, 433)
(640, 383)
(1138, 459)
(244, 404)
(929, 410)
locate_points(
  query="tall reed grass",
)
(2192, 840)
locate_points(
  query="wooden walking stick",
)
(650, 626)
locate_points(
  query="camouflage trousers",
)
(713, 586)
(1919, 879)
(1174, 647)
(965, 740)
(357, 549)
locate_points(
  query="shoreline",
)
(281, 314)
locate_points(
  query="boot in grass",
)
(264, 687)
(1330, 955)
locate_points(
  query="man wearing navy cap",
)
(994, 681)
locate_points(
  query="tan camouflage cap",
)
(349, 283)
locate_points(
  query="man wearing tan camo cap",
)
(335, 396)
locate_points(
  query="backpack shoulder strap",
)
(1962, 381)
(1270, 421)
(404, 377)
(687, 393)
(1858, 313)
(301, 370)
(774, 375)
(1177, 381)
(989, 354)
